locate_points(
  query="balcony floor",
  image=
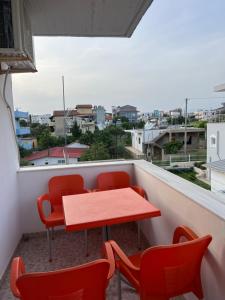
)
(69, 249)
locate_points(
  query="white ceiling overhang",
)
(219, 88)
(87, 18)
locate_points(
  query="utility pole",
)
(185, 128)
(64, 128)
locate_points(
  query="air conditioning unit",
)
(16, 42)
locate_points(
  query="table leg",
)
(106, 233)
(139, 234)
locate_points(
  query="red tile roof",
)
(56, 152)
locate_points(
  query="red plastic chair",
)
(58, 186)
(119, 180)
(162, 272)
(86, 282)
(116, 180)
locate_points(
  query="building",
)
(150, 141)
(83, 115)
(100, 116)
(23, 130)
(128, 111)
(180, 201)
(217, 177)
(41, 119)
(57, 155)
(215, 142)
(84, 109)
(175, 113)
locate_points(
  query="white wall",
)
(181, 202)
(137, 139)
(212, 129)
(218, 183)
(10, 231)
(33, 182)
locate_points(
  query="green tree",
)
(23, 123)
(37, 129)
(87, 138)
(172, 147)
(97, 151)
(76, 132)
(46, 140)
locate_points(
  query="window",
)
(61, 161)
(212, 141)
(139, 140)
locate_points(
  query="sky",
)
(176, 52)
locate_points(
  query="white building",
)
(57, 155)
(215, 141)
(41, 119)
(217, 177)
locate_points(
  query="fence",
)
(173, 159)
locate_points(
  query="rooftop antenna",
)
(64, 110)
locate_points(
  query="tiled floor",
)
(69, 250)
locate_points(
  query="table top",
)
(98, 209)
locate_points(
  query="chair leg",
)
(49, 244)
(53, 233)
(139, 234)
(86, 241)
(119, 291)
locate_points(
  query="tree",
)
(87, 138)
(23, 123)
(46, 140)
(76, 132)
(37, 129)
(97, 151)
(172, 147)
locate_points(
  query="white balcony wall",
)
(181, 202)
(10, 231)
(33, 182)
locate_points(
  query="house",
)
(41, 119)
(23, 130)
(215, 141)
(180, 201)
(128, 111)
(150, 141)
(100, 116)
(57, 155)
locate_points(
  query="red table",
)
(106, 208)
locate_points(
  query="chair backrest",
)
(64, 185)
(86, 282)
(113, 180)
(169, 271)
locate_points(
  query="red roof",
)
(56, 152)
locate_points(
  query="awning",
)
(86, 18)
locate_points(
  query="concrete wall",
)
(218, 183)
(182, 202)
(10, 230)
(33, 182)
(217, 152)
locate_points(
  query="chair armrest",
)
(17, 269)
(108, 254)
(139, 190)
(40, 200)
(183, 231)
(122, 256)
